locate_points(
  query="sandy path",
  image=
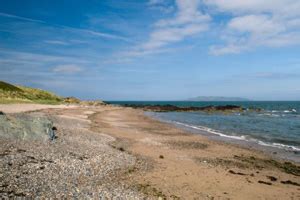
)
(15, 108)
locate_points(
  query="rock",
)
(290, 183)
(237, 173)
(121, 149)
(25, 126)
(92, 103)
(264, 182)
(272, 178)
(71, 100)
(42, 167)
(172, 108)
(21, 150)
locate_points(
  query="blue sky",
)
(154, 49)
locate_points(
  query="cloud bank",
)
(187, 21)
(256, 23)
(251, 24)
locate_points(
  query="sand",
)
(170, 163)
(190, 166)
(15, 108)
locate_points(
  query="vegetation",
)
(19, 94)
(71, 100)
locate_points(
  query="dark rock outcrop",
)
(172, 108)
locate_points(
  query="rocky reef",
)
(172, 108)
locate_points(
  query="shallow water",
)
(277, 125)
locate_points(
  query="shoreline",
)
(272, 151)
(181, 159)
(145, 158)
(271, 127)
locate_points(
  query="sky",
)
(153, 49)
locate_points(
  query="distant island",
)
(214, 98)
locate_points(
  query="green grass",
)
(19, 94)
(8, 87)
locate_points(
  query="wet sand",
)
(167, 162)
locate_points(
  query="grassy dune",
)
(19, 94)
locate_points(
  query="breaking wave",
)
(242, 137)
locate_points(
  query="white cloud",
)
(66, 28)
(188, 12)
(165, 36)
(187, 21)
(252, 24)
(34, 58)
(20, 18)
(229, 49)
(164, 6)
(282, 7)
(100, 34)
(67, 69)
(155, 2)
(56, 42)
(256, 23)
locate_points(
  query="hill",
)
(211, 98)
(19, 94)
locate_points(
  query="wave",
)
(280, 146)
(283, 111)
(270, 115)
(203, 128)
(279, 113)
(242, 137)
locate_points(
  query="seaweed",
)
(187, 144)
(261, 163)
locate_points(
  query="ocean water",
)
(276, 125)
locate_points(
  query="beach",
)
(112, 151)
(153, 99)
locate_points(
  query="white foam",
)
(284, 111)
(278, 145)
(269, 114)
(203, 128)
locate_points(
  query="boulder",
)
(23, 126)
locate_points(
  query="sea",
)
(275, 128)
